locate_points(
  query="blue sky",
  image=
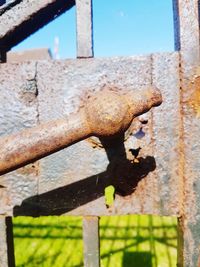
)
(121, 27)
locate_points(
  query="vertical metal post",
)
(84, 37)
(84, 28)
(7, 258)
(3, 243)
(91, 241)
(187, 41)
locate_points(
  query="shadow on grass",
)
(37, 261)
(67, 198)
(121, 240)
(75, 233)
(137, 259)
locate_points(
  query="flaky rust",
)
(105, 114)
(181, 166)
(194, 100)
(191, 103)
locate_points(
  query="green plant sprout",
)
(109, 193)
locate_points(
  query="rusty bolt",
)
(110, 113)
(106, 114)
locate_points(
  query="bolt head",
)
(108, 113)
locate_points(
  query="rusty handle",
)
(106, 114)
(34, 143)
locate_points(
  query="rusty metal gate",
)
(162, 179)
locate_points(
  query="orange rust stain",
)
(194, 101)
(30, 169)
(91, 218)
(198, 262)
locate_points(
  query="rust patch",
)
(198, 262)
(30, 169)
(106, 114)
(194, 100)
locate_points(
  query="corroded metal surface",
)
(32, 144)
(106, 114)
(91, 241)
(156, 169)
(72, 181)
(111, 112)
(6, 242)
(18, 110)
(20, 18)
(187, 30)
(84, 31)
(84, 40)
(3, 243)
(166, 132)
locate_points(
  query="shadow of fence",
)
(126, 241)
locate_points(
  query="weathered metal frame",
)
(167, 176)
(14, 28)
(187, 41)
(85, 50)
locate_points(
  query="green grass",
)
(126, 241)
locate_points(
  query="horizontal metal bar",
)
(32, 144)
(106, 114)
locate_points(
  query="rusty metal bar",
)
(84, 28)
(91, 241)
(7, 257)
(19, 19)
(187, 41)
(32, 144)
(105, 114)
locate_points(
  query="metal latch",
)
(106, 114)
